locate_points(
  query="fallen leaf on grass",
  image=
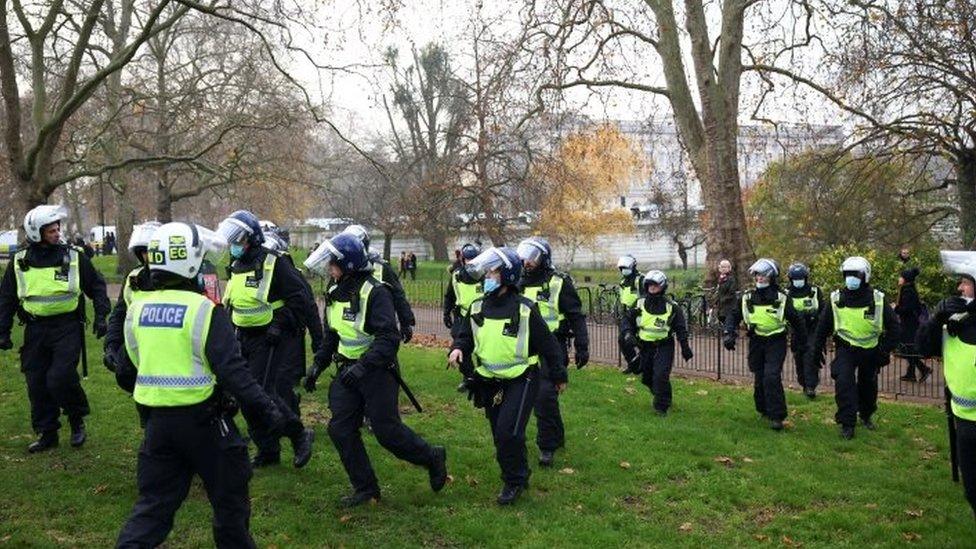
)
(726, 461)
(471, 481)
(747, 460)
(686, 527)
(630, 390)
(871, 505)
(914, 512)
(567, 470)
(701, 392)
(625, 465)
(345, 518)
(789, 542)
(760, 537)
(100, 489)
(911, 536)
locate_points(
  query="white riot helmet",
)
(655, 277)
(179, 248)
(274, 242)
(858, 266)
(359, 232)
(40, 217)
(627, 262)
(765, 267)
(142, 234)
(959, 263)
(268, 226)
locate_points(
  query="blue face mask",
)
(799, 283)
(626, 272)
(236, 250)
(852, 282)
(491, 285)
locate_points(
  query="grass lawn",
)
(710, 474)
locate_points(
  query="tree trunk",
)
(387, 244)
(164, 200)
(682, 253)
(438, 241)
(125, 219)
(966, 194)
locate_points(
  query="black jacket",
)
(41, 255)
(542, 342)
(403, 311)
(115, 338)
(929, 339)
(574, 325)
(908, 307)
(657, 304)
(381, 322)
(766, 296)
(288, 285)
(862, 297)
(726, 296)
(229, 367)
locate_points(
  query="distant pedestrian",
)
(727, 287)
(403, 264)
(909, 309)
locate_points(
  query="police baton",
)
(267, 366)
(953, 448)
(521, 408)
(403, 385)
(84, 351)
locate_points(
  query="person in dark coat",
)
(909, 308)
(727, 288)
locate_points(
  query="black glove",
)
(350, 375)
(273, 334)
(318, 366)
(883, 357)
(582, 357)
(109, 360)
(448, 320)
(729, 342)
(5, 343)
(633, 366)
(99, 327)
(630, 340)
(406, 333)
(686, 352)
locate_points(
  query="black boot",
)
(78, 434)
(868, 424)
(810, 392)
(46, 441)
(265, 460)
(846, 432)
(360, 497)
(302, 446)
(926, 372)
(510, 493)
(776, 424)
(546, 457)
(438, 468)
(909, 375)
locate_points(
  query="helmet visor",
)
(319, 260)
(529, 250)
(959, 262)
(487, 261)
(213, 245)
(234, 231)
(141, 234)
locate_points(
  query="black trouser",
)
(655, 362)
(908, 352)
(629, 352)
(966, 452)
(551, 433)
(49, 360)
(177, 445)
(277, 381)
(510, 449)
(375, 396)
(807, 375)
(855, 373)
(766, 357)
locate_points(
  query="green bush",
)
(932, 283)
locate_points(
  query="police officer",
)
(180, 356)
(383, 272)
(629, 291)
(293, 362)
(766, 312)
(951, 334)
(269, 304)
(865, 330)
(652, 325)
(810, 304)
(562, 310)
(463, 289)
(361, 338)
(43, 285)
(498, 348)
(134, 283)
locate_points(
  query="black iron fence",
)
(601, 304)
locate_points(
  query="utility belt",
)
(485, 392)
(27, 318)
(219, 406)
